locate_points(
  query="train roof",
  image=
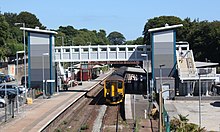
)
(120, 72)
(115, 77)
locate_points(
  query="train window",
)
(119, 84)
(108, 85)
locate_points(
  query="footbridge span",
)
(100, 53)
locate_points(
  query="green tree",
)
(102, 39)
(204, 40)
(30, 20)
(159, 22)
(11, 18)
(4, 33)
(116, 38)
(181, 125)
(138, 41)
(68, 31)
(81, 36)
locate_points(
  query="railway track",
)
(90, 113)
(113, 119)
(74, 117)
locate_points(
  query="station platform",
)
(137, 107)
(36, 116)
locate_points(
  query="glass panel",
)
(140, 49)
(108, 85)
(130, 49)
(94, 49)
(76, 50)
(119, 84)
(66, 50)
(103, 49)
(85, 50)
(121, 49)
(112, 49)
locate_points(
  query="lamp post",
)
(6, 102)
(199, 101)
(44, 54)
(25, 79)
(17, 77)
(201, 72)
(160, 98)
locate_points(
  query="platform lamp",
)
(201, 72)
(25, 74)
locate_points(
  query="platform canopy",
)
(135, 70)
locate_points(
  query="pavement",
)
(210, 112)
(138, 107)
(36, 116)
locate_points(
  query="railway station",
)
(68, 76)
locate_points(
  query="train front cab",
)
(114, 91)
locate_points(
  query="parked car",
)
(2, 103)
(5, 78)
(12, 78)
(11, 90)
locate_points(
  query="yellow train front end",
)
(114, 90)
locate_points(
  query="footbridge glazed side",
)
(100, 53)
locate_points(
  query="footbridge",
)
(100, 53)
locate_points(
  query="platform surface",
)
(36, 116)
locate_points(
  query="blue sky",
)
(125, 16)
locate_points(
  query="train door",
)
(114, 89)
